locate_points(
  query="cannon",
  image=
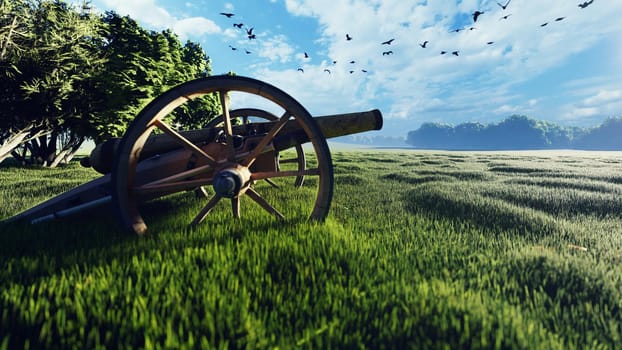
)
(244, 152)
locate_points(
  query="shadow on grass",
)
(458, 203)
(29, 252)
(567, 294)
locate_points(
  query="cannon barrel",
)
(102, 156)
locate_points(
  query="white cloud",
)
(595, 108)
(231, 33)
(153, 15)
(146, 11)
(603, 97)
(522, 49)
(484, 81)
(195, 26)
(506, 109)
(276, 49)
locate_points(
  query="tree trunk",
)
(11, 143)
(14, 139)
(67, 151)
(43, 149)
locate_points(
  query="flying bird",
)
(586, 4)
(363, 70)
(443, 52)
(544, 24)
(456, 30)
(490, 43)
(352, 62)
(247, 52)
(327, 70)
(386, 53)
(504, 6)
(228, 15)
(238, 25)
(559, 19)
(306, 55)
(476, 14)
(388, 42)
(351, 71)
(455, 53)
(348, 37)
(423, 44)
(301, 70)
(250, 34)
(233, 48)
(505, 17)
(334, 62)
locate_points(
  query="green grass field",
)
(421, 250)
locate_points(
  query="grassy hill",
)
(422, 249)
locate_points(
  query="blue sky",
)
(568, 71)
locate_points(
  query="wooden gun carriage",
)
(235, 151)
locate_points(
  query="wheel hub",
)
(230, 182)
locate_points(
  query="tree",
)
(67, 76)
(604, 137)
(43, 66)
(515, 132)
(14, 35)
(468, 136)
(139, 66)
(431, 135)
(518, 132)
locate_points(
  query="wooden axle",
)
(102, 156)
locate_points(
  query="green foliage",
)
(421, 250)
(517, 133)
(47, 49)
(605, 136)
(68, 75)
(140, 65)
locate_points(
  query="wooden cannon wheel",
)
(226, 167)
(248, 115)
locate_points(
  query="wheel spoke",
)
(201, 192)
(248, 161)
(226, 118)
(262, 202)
(183, 141)
(133, 181)
(270, 174)
(274, 184)
(203, 213)
(235, 207)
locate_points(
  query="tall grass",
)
(421, 250)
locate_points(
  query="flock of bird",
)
(424, 45)
(504, 6)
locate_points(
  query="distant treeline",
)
(517, 133)
(373, 140)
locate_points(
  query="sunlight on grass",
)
(420, 250)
